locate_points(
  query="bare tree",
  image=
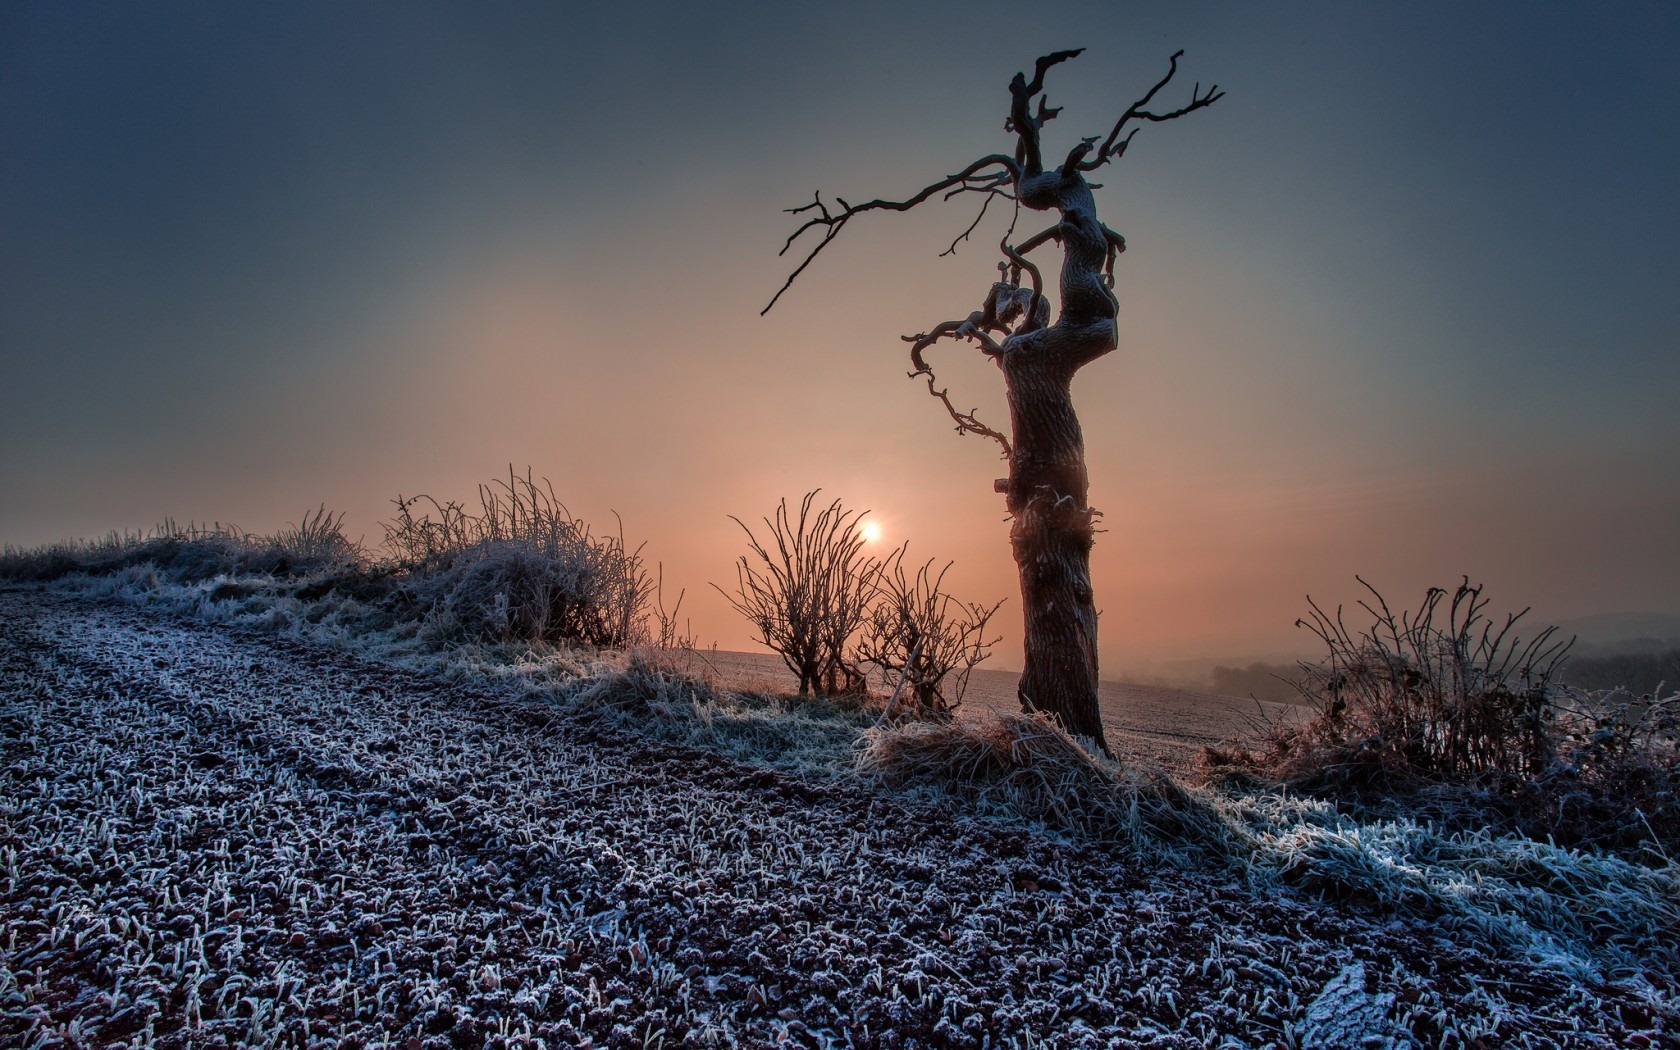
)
(809, 594)
(920, 634)
(1052, 524)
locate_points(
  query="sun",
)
(870, 531)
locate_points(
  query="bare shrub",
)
(523, 568)
(670, 636)
(1616, 783)
(808, 592)
(1442, 693)
(922, 636)
(418, 544)
(1441, 713)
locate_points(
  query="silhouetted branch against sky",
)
(991, 174)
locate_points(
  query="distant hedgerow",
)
(191, 553)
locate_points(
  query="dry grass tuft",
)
(1028, 766)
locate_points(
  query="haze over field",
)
(1400, 305)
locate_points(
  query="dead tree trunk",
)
(1052, 527)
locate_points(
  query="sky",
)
(1401, 304)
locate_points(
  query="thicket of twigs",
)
(808, 591)
(829, 610)
(922, 637)
(1463, 719)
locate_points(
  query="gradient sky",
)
(1402, 304)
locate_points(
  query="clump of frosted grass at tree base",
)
(1028, 766)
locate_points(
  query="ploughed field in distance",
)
(210, 837)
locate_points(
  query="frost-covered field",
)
(210, 837)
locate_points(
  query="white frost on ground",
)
(210, 837)
(1346, 1015)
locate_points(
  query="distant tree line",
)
(1639, 672)
(1263, 681)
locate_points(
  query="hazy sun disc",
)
(869, 531)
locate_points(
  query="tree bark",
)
(1052, 521)
(1051, 535)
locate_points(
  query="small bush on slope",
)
(523, 569)
(1434, 712)
(917, 633)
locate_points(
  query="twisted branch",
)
(974, 328)
(966, 422)
(998, 175)
(1023, 122)
(833, 222)
(1114, 146)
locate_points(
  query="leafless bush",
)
(316, 544)
(670, 635)
(523, 568)
(418, 544)
(808, 592)
(920, 635)
(1436, 694)
(1616, 782)
(1452, 716)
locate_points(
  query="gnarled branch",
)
(1114, 146)
(975, 328)
(1021, 119)
(833, 222)
(967, 422)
